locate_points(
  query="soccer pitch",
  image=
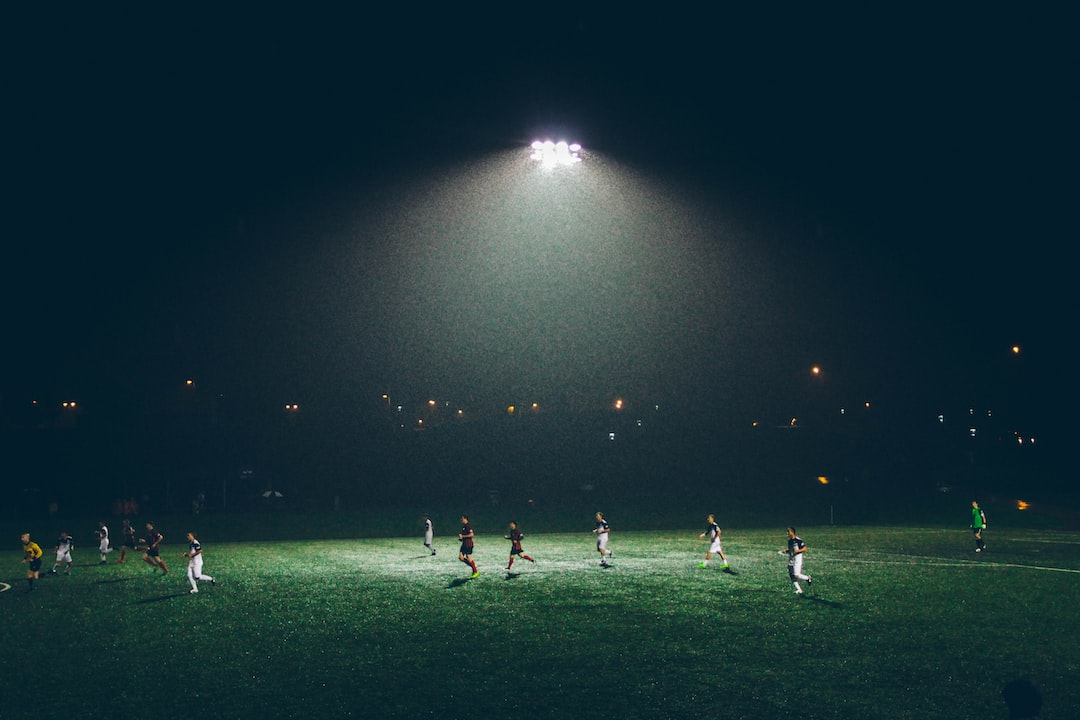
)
(899, 623)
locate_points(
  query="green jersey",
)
(978, 519)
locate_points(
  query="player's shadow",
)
(113, 581)
(729, 571)
(457, 582)
(511, 575)
(823, 601)
(160, 598)
(421, 557)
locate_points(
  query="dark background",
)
(205, 196)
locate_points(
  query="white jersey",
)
(63, 549)
(195, 565)
(601, 531)
(103, 538)
(713, 533)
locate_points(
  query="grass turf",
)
(899, 623)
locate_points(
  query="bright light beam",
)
(552, 154)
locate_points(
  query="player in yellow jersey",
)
(32, 556)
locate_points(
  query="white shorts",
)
(601, 541)
(715, 546)
(63, 556)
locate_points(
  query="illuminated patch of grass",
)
(899, 623)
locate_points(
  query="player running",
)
(796, 548)
(465, 552)
(602, 529)
(515, 537)
(195, 563)
(713, 533)
(152, 551)
(128, 533)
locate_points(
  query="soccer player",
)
(602, 529)
(152, 550)
(429, 534)
(195, 563)
(64, 546)
(713, 533)
(978, 524)
(103, 540)
(32, 557)
(796, 548)
(128, 533)
(465, 552)
(515, 537)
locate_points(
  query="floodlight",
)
(550, 154)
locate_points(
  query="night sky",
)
(309, 205)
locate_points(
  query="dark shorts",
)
(35, 564)
(466, 549)
(152, 552)
(516, 550)
(129, 543)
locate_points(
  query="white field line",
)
(4, 587)
(938, 562)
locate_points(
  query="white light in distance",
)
(550, 154)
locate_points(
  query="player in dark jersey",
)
(32, 557)
(465, 552)
(128, 533)
(515, 537)
(151, 549)
(796, 548)
(601, 530)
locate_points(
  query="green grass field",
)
(899, 623)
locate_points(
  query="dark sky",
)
(296, 203)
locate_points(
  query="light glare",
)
(551, 154)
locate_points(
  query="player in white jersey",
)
(796, 548)
(103, 540)
(712, 532)
(429, 534)
(602, 529)
(64, 546)
(195, 563)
